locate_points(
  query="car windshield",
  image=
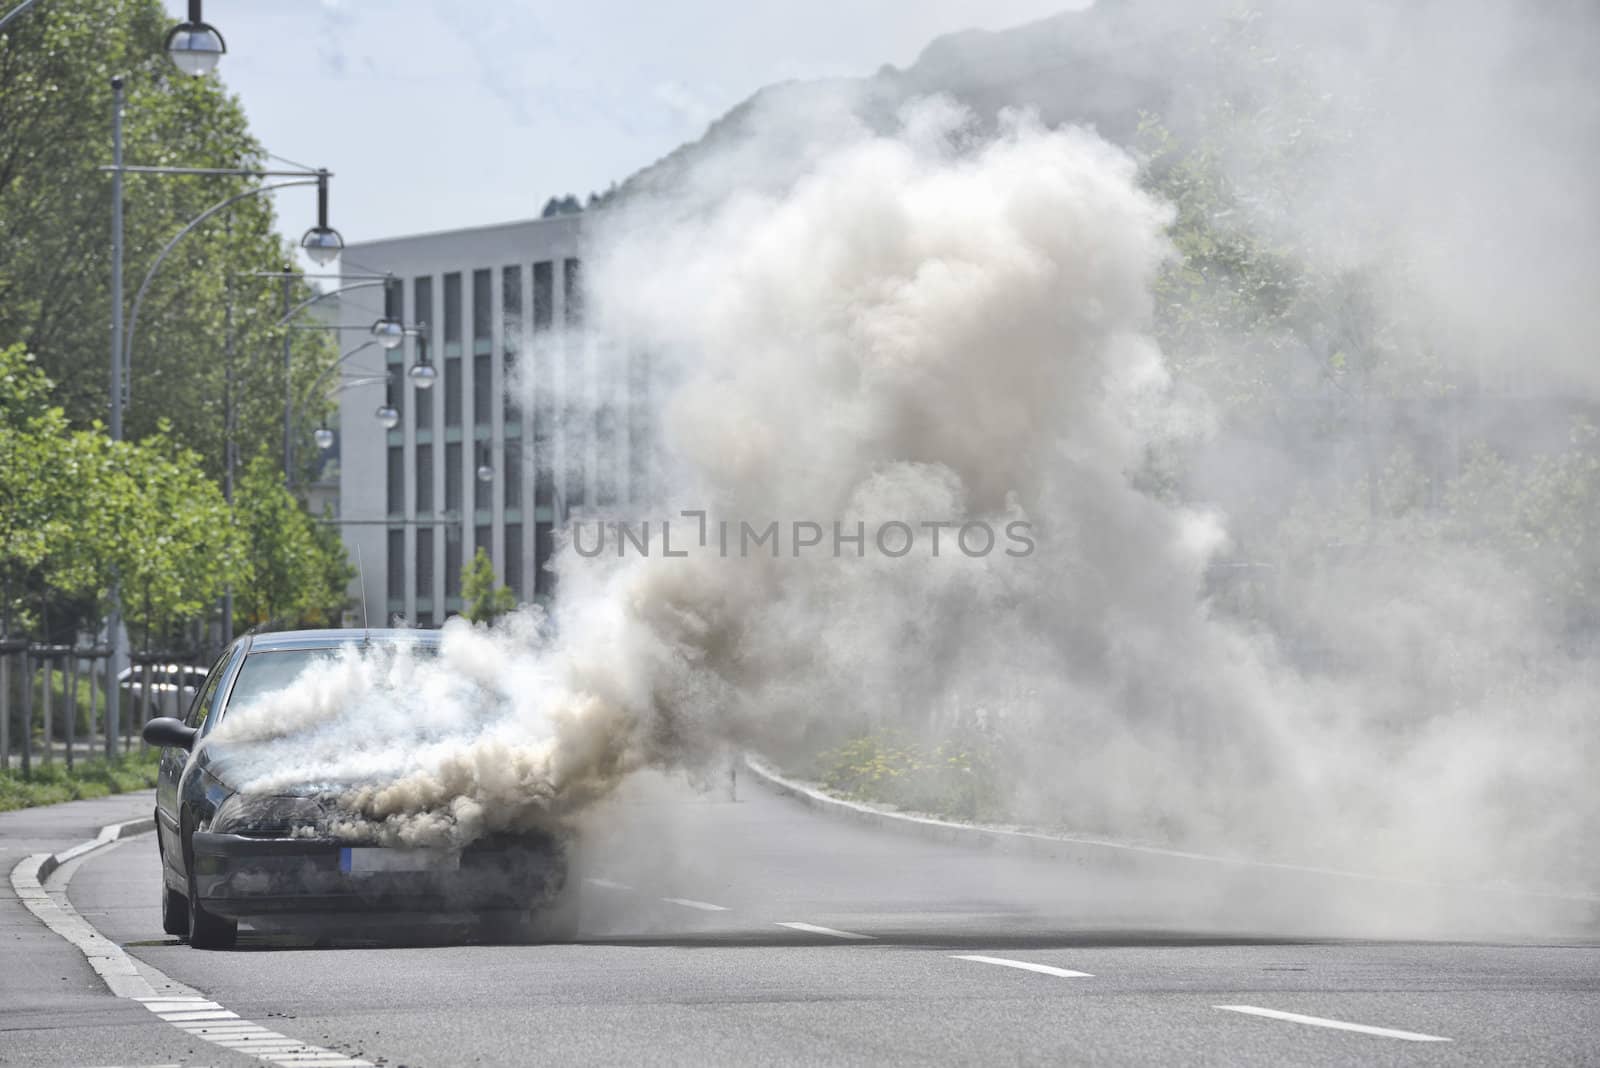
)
(268, 672)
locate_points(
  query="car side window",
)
(208, 694)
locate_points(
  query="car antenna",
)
(362, 571)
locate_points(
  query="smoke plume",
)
(938, 317)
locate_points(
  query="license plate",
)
(359, 859)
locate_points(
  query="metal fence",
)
(57, 701)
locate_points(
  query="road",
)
(719, 933)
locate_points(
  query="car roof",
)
(334, 639)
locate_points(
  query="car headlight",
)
(269, 816)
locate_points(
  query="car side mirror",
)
(165, 730)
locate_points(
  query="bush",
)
(52, 783)
(955, 778)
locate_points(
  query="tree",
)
(55, 108)
(485, 599)
(79, 512)
(294, 569)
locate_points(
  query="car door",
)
(174, 760)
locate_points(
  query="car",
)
(229, 855)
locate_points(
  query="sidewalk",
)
(47, 989)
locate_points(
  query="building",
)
(530, 418)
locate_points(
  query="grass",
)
(955, 778)
(52, 783)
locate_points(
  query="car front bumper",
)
(244, 877)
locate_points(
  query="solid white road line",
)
(1025, 965)
(1337, 1025)
(812, 928)
(703, 906)
(189, 1011)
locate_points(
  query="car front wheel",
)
(174, 912)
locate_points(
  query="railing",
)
(54, 700)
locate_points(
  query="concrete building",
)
(523, 394)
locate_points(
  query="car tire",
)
(206, 930)
(174, 912)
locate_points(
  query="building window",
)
(452, 391)
(575, 424)
(511, 457)
(424, 479)
(452, 563)
(483, 492)
(397, 564)
(483, 538)
(572, 290)
(511, 307)
(482, 310)
(513, 564)
(422, 310)
(544, 295)
(482, 391)
(511, 416)
(424, 565)
(394, 384)
(452, 314)
(544, 545)
(397, 480)
(452, 477)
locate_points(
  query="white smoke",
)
(932, 325)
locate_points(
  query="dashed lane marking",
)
(1025, 965)
(703, 906)
(1337, 1025)
(812, 928)
(608, 884)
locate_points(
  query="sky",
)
(438, 114)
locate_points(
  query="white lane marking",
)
(195, 1017)
(608, 884)
(703, 906)
(189, 1011)
(1337, 1025)
(1025, 965)
(812, 928)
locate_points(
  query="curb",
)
(49, 862)
(1121, 856)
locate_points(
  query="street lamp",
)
(323, 437)
(322, 242)
(485, 468)
(422, 373)
(388, 333)
(388, 415)
(195, 45)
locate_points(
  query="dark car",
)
(228, 855)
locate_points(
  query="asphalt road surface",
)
(760, 931)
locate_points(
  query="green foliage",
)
(56, 108)
(78, 512)
(955, 778)
(53, 783)
(294, 570)
(485, 599)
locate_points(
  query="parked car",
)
(185, 680)
(228, 855)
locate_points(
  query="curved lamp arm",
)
(304, 304)
(138, 298)
(316, 383)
